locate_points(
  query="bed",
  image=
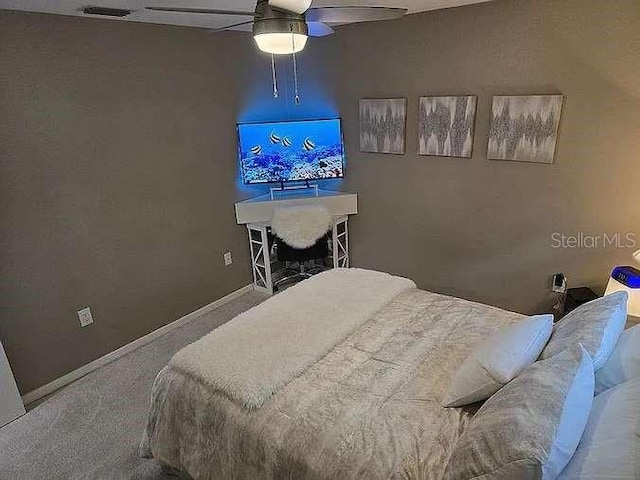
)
(370, 407)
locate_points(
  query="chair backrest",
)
(287, 253)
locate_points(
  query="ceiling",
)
(74, 7)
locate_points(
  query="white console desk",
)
(256, 214)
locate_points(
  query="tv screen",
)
(291, 151)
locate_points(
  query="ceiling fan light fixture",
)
(295, 6)
(281, 43)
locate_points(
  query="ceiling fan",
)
(281, 27)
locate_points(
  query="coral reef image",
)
(291, 151)
(445, 126)
(524, 128)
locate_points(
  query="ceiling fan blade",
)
(319, 29)
(230, 27)
(200, 10)
(296, 6)
(246, 27)
(353, 14)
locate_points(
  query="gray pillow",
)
(532, 426)
(596, 325)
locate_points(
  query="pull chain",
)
(296, 99)
(273, 74)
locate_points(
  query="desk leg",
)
(340, 238)
(260, 261)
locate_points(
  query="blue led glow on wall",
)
(259, 105)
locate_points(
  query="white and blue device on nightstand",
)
(626, 279)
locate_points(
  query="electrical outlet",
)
(85, 317)
(227, 259)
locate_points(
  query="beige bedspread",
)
(369, 409)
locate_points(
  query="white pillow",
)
(624, 362)
(596, 325)
(609, 445)
(498, 359)
(575, 415)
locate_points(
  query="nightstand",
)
(576, 297)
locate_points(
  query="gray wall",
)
(117, 184)
(119, 174)
(478, 228)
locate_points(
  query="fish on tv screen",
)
(291, 151)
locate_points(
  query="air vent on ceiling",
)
(106, 11)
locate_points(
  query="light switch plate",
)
(85, 317)
(227, 259)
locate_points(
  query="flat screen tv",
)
(291, 151)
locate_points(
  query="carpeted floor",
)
(91, 429)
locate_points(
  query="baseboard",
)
(58, 383)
